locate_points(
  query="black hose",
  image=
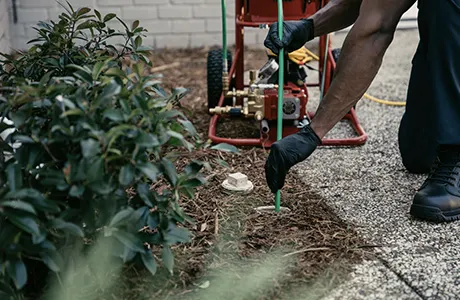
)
(15, 12)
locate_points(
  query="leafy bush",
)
(90, 137)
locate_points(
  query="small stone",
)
(238, 179)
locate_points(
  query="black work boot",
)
(438, 199)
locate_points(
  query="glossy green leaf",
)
(17, 271)
(97, 69)
(68, 227)
(14, 177)
(149, 262)
(223, 163)
(168, 258)
(115, 72)
(90, 148)
(98, 14)
(126, 175)
(188, 126)
(177, 235)
(109, 17)
(121, 217)
(26, 223)
(193, 168)
(225, 147)
(82, 11)
(129, 240)
(114, 115)
(96, 170)
(193, 183)
(147, 140)
(144, 193)
(110, 90)
(170, 171)
(149, 170)
(19, 205)
(76, 191)
(35, 198)
(50, 262)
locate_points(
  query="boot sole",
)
(434, 214)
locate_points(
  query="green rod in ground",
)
(323, 79)
(279, 131)
(224, 36)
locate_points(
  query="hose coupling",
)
(225, 82)
(227, 110)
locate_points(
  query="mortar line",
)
(400, 277)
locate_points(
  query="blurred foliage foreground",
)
(86, 132)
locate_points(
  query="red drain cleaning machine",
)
(229, 96)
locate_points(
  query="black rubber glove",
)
(286, 153)
(295, 35)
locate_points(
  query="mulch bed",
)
(236, 252)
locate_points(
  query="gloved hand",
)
(287, 152)
(295, 35)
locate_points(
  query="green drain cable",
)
(279, 131)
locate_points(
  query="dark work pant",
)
(432, 115)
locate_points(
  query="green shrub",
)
(91, 137)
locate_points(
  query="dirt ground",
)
(236, 252)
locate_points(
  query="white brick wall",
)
(4, 27)
(171, 23)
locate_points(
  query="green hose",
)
(279, 130)
(224, 36)
(323, 79)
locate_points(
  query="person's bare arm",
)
(335, 15)
(360, 59)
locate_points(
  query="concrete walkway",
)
(369, 187)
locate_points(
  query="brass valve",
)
(238, 93)
(253, 106)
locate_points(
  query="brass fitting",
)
(219, 110)
(259, 115)
(254, 104)
(225, 82)
(238, 93)
(252, 77)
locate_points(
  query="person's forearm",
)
(336, 15)
(360, 60)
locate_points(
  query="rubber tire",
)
(214, 76)
(336, 54)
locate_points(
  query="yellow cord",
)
(303, 55)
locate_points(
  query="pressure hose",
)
(279, 130)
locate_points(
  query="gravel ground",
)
(369, 187)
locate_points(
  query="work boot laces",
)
(445, 172)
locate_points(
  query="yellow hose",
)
(303, 55)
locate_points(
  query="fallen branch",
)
(216, 224)
(307, 250)
(165, 67)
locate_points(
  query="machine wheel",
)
(214, 76)
(336, 54)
